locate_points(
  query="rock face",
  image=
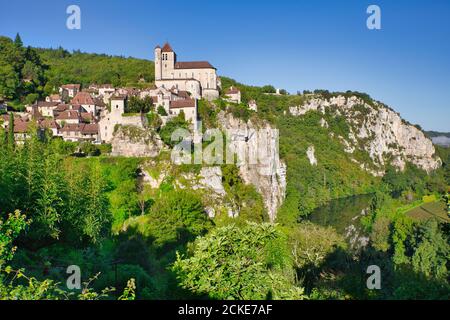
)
(310, 153)
(211, 178)
(256, 147)
(377, 130)
(132, 141)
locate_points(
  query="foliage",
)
(311, 244)
(240, 263)
(21, 70)
(138, 105)
(177, 216)
(170, 127)
(87, 68)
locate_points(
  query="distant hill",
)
(439, 138)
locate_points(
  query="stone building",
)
(69, 90)
(116, 116)
(233, 94)
(197, 77)
(189, 108)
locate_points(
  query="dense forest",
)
(28, 74)
(131, 242)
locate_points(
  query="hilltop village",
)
(80, 114)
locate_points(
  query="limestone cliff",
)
(132, 141)
(256, 147)
(377, 130)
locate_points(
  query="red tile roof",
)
(193, 65)
(68, 115)
(62, 107)
(20, 126)
(49, 123)
(91, 128)
(70, 127)
(183, 94)
(233, 90)
(82, 127)
(83, 98)
(118, 97)
(87, 116)
(185, 103)
(167, 48)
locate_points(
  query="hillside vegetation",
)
(157, 242)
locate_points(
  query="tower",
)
(168, 60)
(158, 63)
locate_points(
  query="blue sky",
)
(295, 45)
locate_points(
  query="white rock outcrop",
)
(310, 153)
(377, 130)
(132, 141)
(259, 163)
(211, 178)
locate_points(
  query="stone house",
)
(80, 132)
(68, 117)
(53, 98)
(51, 125)
(252, 105)
(233, 94)
(85, 100)
(189, 108)
(116, 116)
(69, 90)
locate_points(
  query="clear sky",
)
(296, 45)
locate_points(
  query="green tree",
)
(240, 263)
(11, 139)
(18, 40)
(177, 216)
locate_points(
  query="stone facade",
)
(197, 77)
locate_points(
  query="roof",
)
(49, 123)
(157, 47)
(167, 48)
(35, 113)
(233, 90)
(87, 116)
(154, 99)
(83, 98)
(193, 65)
(71, 86)
(55, 96)
(185, 103)
(89, 128)
(45, 104)
(82, 127)
(20, 126)
(71, 127)
(119, 97)
(69, 114)
(183, 94)
(62, 107)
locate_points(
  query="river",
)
(344, 215)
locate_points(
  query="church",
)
(199, 78)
